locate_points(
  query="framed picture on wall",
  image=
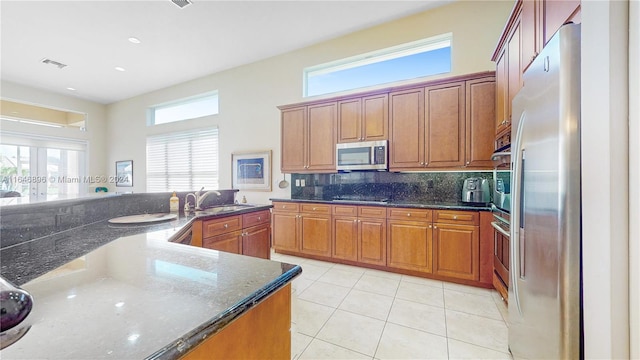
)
(251, 170)
(124, 173)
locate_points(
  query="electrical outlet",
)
(297, 182)
(302, 183)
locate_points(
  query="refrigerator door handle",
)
(516, 205)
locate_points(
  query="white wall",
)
(605, 187)
(249, 95)
(95, 126)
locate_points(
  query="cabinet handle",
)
(408, 214)
(468, 162)
(430, 226)
(435, 227)
(259, 218)
(314, 209)
(455, 217)
(355, 221)
(226, 226)
(359, 221)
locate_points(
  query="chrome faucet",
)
(201, 197)
(187, 207)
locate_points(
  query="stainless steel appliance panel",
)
(365, 155)
(545, 291)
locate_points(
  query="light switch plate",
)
(297, 182)
(302, 183)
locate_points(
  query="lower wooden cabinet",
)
(444, 244)
(359, 234)
(409, 245)
(246, 234)
(456, 251)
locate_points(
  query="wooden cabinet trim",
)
(286, 207)
(315, 208)
(409, 214)
(456, 217)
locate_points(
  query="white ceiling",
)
(177, 44)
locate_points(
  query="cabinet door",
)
(456, 251)
(345, 238)
(315, 234)
(372, 242)
(445, 121)
(406, 148)
(514, 69)
(409, 246)
(556, 13)
(322, 137)
(294, 130)
(256, 241)
(502, 93)
(230, 242)
(530, 32)
(285, 231)
(480, 114)
(350, 120)
(375, 117)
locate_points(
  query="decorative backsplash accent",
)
(427, 187)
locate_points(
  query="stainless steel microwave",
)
(365, 155)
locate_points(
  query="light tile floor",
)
(348, 312)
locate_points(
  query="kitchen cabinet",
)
(284, 226)
(530, 26)
(480, 97)
(302, 228)
(456, 244)
(315, 229)
(359, 234)
(246, 234)
(308, 138)
(363, 119)
(445, 125)
(409, 239)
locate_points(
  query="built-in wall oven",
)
(501, 220)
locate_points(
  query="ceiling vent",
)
(181, 3)
(53, 62)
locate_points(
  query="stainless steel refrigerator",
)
(545, 301)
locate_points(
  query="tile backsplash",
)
(426, 187)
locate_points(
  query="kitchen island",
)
(131, 293)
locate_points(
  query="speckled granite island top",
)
(139, 296)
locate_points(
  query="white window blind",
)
(183, 161)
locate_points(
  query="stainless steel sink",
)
(223, 209)
(143, 218)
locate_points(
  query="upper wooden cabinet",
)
(531, 25)
(445, 125)
(363, 119)
(309, 138)
(448, 125)
(441, 124)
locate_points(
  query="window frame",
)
(152, 110)
(377, 56)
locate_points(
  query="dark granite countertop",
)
(103, 290)
(408, 204)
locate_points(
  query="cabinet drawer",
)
(256, 218)
(286, 206)
(409, 214)
(372, 212)
(316, 208)
(345, 210)
(220, 226)
(456, 217)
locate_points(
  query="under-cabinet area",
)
(444, 244)
(246, 234)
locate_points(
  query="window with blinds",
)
(183, 161)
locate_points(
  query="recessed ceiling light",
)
(71, 89)
(119, 68)
(134, 40)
